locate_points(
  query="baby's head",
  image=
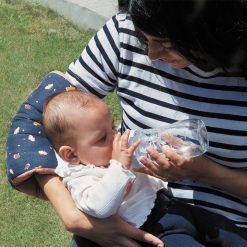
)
(80, 127)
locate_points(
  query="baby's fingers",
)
(125, 143)
(134, 146)
(125, 138)
(116, 140)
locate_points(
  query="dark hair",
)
(206, 32)
(123, 5)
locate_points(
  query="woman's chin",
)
(177, 64)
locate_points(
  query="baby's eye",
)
(102, 139)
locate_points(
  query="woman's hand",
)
(112, 231)
(172, 167)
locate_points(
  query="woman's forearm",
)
(31, 187)
(73, 219)
(229, 180)
(98, 230)
(173, 167)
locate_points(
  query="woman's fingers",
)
(161, 165)
(149, 164)
(173, 157)
(126, 235)
(151, 239)
(123, 242)
(142, 236)
(158, 160)
(168, 165)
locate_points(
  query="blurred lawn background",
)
(33, 41)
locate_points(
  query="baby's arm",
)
(97, 195)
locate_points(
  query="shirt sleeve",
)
(96, 70)
(99, 196)
(27, 149)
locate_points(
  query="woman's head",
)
(162, 49)
(206, 32)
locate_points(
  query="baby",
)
(97, 160)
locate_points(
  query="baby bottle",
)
(187, 137)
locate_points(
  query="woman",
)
(168, 61)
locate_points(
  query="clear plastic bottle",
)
(187, 137)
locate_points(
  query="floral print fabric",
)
(27, 149)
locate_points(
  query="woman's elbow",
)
(77, 222)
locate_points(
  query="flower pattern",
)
(27, 147)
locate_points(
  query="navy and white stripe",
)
(153, 94)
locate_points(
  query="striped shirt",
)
(153, 94)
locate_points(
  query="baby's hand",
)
(121, 151)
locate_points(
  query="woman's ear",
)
(68, 154)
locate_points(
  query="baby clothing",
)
(102, 192)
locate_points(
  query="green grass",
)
(33, 42)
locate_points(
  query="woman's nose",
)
(156, 51)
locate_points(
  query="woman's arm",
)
(98, 230)
(173, 167)
(230, 180)
(31, 187)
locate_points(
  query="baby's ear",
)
(68, 154)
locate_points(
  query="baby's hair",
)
(58, 114)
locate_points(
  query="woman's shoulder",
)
(122, 16)
(122, 20)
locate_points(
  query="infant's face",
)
(95, 133)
